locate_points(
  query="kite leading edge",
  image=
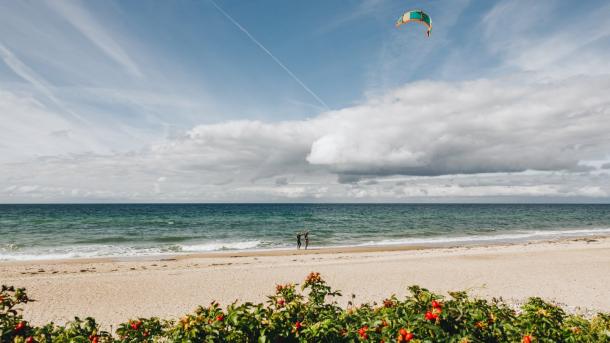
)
(418, 16)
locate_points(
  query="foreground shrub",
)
(310, 314)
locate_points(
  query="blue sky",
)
(303, 101)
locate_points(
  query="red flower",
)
(404, 335)
(527, 339)
(19, 326)
(430, 316)
(135, 325)
(362, 332)
(93, 338)
(281, 302)
(220, 318)
(436, 304)
(30, 340)
(298, 325)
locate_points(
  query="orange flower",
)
(527, 339)
(313, 278)
(388, 303)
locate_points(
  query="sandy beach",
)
(574, 273)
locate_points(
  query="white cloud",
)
(29, 129)
(483, 127)
(436, 128)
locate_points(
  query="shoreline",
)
(572, 272)
(312, 250)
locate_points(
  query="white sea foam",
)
(11, 252)
(507, 237)
(216, 246)
(89, 251)
(78, 251)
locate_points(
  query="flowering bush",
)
(310, 314)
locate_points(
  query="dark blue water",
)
(66, 231)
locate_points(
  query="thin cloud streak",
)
(88, 26)
(260, 45)
(32, 77)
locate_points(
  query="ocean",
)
(30, 232)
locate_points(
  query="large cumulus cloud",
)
(425, 128)
(437, 128)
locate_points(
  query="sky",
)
(304, 101)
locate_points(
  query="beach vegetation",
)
(310, 313)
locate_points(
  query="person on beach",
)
(306, 235)
(298, 240)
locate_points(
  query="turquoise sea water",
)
(70, 231)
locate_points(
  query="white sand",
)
(575, 273)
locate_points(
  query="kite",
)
(418, 16)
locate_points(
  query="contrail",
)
(260, 45)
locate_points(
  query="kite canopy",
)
(416, 16)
